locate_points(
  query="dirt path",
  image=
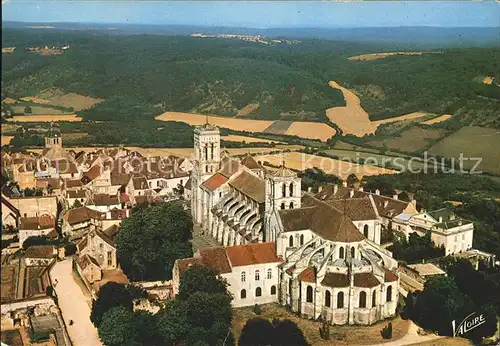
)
(74, 306)
(353, 119)
(412, 337)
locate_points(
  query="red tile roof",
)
(365, 280)
(216, 259)
(251, 186)
(389, 276)
(244, 255)
(249, 162)
(214, 182)
(335, 280)
(40, 222)
(308, 275)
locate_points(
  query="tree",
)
(257, 332)
(352, 179)
(110, 295)
(39, 240)
(152, 238)
(172, 323)
(288, 333)
(117, 327)
(69, 249)
(77, 204)
(27, 110)
(201, 279)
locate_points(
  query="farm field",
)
(246, 139)
(399, 162)
(44, 118)
(59, 98)
(35, 100)
(472, 142)
(353, 119)
(6, 139)
(437, 120)
(376, 56)
(301, 161)
(351, 335)
(413, 139)
(303, 129)
(247, 110)
(38, 110)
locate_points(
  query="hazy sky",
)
(259, 14)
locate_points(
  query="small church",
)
(318, 254)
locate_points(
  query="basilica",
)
(319, 253)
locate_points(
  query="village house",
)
(103, 202)
(88, 268)
(251, 271)
(40, 255)
(78, 221)
(100, 245)
(10, 214)
(37, 226)
(34, 205)
(49, 186)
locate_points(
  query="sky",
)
(259, 14)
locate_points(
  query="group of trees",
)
(152, 238)
(415, 248)
(262, 332)
(316, 177)
(454, 297)
(199, 315)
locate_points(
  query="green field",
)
(475, 142)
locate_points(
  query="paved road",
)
(74, 306)
(412, 337)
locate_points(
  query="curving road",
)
(74, 305)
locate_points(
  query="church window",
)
(258, 292)
(243, 276)
(243, 294)
(110, 258)
(309, 294)
(206, 152)
(388, 297)
(291, 205)
(328, 298)
(212, 151)
(362, 299)
(374, 299)
(340, 300)
(269, 274)
(273, 290)
(291, 189)
(290, 241)
(301, 239)
(365, 231)
(341, 252)
(353, 252)
(283, 190)
(257, 275)
(282, 206)
(206, 168)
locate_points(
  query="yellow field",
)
(59, 98)
(437, 120)
(375, 56)
(302, 129)
(310, 130)
(9, 101)
(246, 139)
(247, 109)
(35, 100)
(342, 169)
(353, 119)
(488, 80)
(6, 139)
(38, 110)
(44, 118)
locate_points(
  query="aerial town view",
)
(224, 173)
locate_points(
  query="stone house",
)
(40, 255)
(34, 205)
(88, 268)
(100, 245)
(102, 202)
(78, 221)
(43, 225)
(10, 214)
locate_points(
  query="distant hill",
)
(141, 76)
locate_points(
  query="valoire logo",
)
(470, 322)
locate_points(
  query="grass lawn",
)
(348, 335)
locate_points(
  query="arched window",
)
(365, 231)
(243, 276)
(257, 275)
(290, 241)
(206, 153)
(353, 252)
(374, 299)
(291, 205)
(282, 206)
(328, 299)
(362, 299)
(388, 297)
(269, 274)
(309, 295)
(301, 239)
(273, 290)
(340, 300)
(291, 189)
(283, 190)
(258, 292)
(243, 294)
(341, 252)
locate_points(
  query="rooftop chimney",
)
(361, 189)
(395, 197)
(335, 189)
(414, 202)
(386, 203)
(344, 183)
(320, 188)
(440, 219)
(377, 192)
(351, 193)
(309, 189)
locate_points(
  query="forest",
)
(141, 76)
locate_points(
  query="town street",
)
(74, 306)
